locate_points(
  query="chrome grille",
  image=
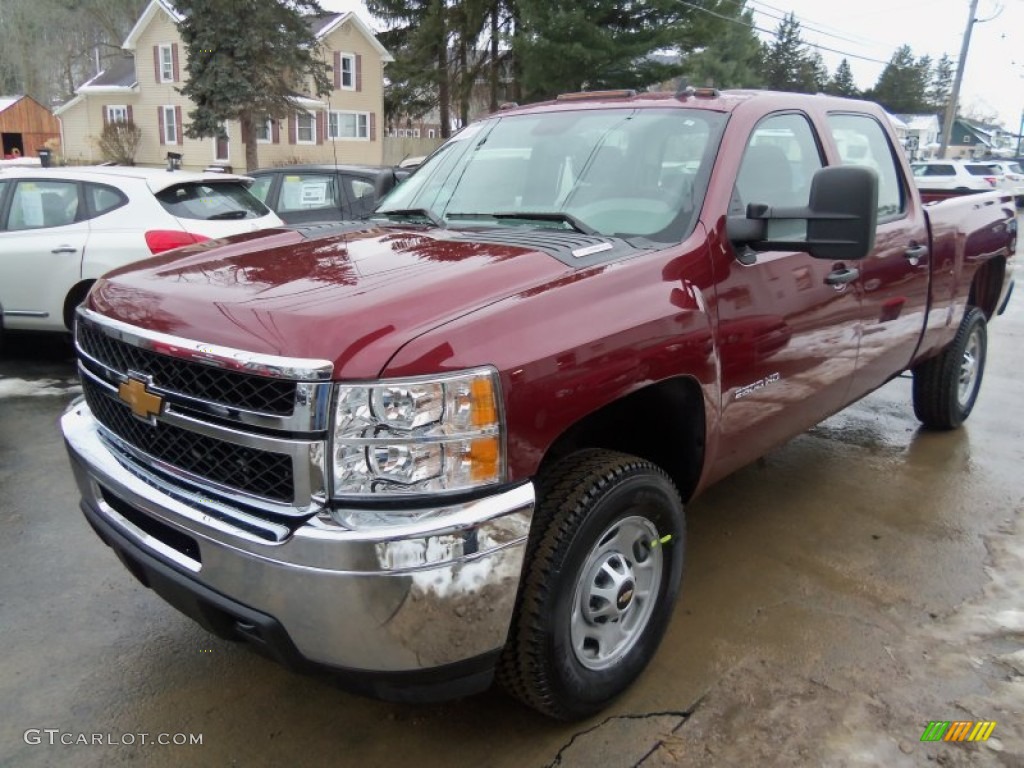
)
(261, 473)
(204, 382)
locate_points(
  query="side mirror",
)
(841, 216)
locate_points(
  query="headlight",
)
(442, 434)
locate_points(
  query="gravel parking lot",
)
(852, 586)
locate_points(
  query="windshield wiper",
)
(424, 213)
(228, 215)
(560, 216)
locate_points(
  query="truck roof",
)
(693, 98)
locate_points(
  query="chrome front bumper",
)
(389, 600)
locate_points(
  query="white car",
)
(961, 175)
(1013, 176)
(61, 228)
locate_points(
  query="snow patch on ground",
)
(13, 387)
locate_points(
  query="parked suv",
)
(1012, 175)
(959, 175)
(61, 228)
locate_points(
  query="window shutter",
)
(292, 122)
(337, 70)
(156, 63)
(174, 61)
(359, 71)
(320, 127)
(245, 133)
(160, 119)
(106, 117)
(178, 125)
(275, 131)
(373, 126)
(130, 118)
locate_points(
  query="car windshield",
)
(215, 200)
(615, 172)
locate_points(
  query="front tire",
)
(946, 387)
(602, 573)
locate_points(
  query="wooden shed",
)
(26, 126)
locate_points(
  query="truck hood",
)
(353, 300)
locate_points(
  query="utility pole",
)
(954, 97)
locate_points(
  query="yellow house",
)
(344, 127)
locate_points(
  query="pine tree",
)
(246, 61)
(730, 60)
(785, 58)
(941, 85)
(842, 83)
(901, 88)
(569, 45)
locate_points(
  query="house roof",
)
(920, 122)
(897, 122)
(120, 74)
(155, 7)
(9, 101)
(335, 20)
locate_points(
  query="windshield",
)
(614, 172)
(210, 201)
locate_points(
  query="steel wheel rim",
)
(616, 592)
(969, 367)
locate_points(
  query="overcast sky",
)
(873, 29)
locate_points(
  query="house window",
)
(305, 128)
(348, 72)
(348, 125)
(166, 64)
(117, 113)
(264, 132)
(170, 125)
(431, 133)
(415, 133)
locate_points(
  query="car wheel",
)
(603, 569)
(946, 387)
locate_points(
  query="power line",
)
(770, 32)
(820, 29)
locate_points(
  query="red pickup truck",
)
(454, 442)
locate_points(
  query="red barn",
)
(25, 126)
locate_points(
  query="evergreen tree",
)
(842, 83)
(785, 58)
(569, 45)
(733, 58)
(813, 74)
(941, 85)
(419, 79)
(902, 86)
(246, 61)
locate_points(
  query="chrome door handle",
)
(915, 253)
(64, 249)
(842, 276)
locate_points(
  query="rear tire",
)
(946, 387)
(602, 572)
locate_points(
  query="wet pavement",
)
(852, 586)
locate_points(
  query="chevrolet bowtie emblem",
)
(143, 403)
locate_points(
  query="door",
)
(307, 197)
(42, 241)
(894, 277)
(787, 335)
(362, 196)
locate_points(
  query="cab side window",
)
(862, 141)
(778, 163)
